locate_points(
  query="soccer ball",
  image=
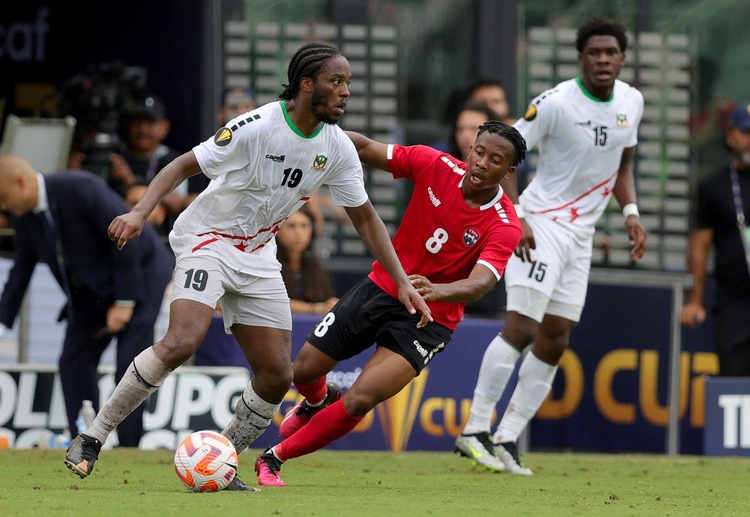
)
(205, 461)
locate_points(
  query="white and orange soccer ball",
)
(205, 461)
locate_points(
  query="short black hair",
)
(510, 133)
(306, 62)
(600, 26)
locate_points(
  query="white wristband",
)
(519, 211)
(630, 209)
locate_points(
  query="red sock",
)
(326, 426)
(314, 393)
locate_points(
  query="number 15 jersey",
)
(580, 141)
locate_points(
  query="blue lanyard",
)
(741, 224)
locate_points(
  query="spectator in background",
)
(61, 220)
(306, 280)
(469, 117)
(235, 102)
(492, 92)
(722, 209)
(145, 127)
(481, 89)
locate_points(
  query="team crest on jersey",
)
(621, 121)
(530, 113)
(471, 236)
(319, 164)
(223, 136)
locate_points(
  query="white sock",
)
(143, 377)
(252, 416)
(534, 384)
(498, 364)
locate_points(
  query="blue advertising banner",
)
(727, 431)
(610, 394)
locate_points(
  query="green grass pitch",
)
(131, 482)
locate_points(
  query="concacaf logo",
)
(320, 162)
(223, 136)
(530, 113)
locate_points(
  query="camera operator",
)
(145, 128)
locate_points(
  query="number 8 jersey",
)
(440, 236)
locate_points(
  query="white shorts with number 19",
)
(245, 299)
(556, 279)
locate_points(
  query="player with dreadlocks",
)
(263, 165)
(457, 234)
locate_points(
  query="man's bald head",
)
(19, 186)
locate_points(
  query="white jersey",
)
(580, 141)
(262, 170)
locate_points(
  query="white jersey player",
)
(263, 165)
(585, 130)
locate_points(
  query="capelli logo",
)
(274, 158)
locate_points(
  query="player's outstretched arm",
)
(375, 236)
(372, 153)
(129, 225)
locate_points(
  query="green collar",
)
(588, 94)
(294, 128)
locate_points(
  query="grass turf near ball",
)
(205, 461)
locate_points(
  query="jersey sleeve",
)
(411, 161)
(538, 119)
(500, 246)
(633, 141)
(346, 183)
(226, 151)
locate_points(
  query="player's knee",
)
(550, 348)
(275, 378)
(175, 350)
(359, 404)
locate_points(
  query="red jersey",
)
(440, 237)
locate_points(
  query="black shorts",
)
(367, 315)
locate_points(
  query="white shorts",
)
(245, 299)
(556, 280)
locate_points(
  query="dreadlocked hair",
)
(510, 133)
(306, 62)
(600, 26)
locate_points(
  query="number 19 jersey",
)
(262, 170)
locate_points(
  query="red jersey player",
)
(455, 238)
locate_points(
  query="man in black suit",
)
(61, 220)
